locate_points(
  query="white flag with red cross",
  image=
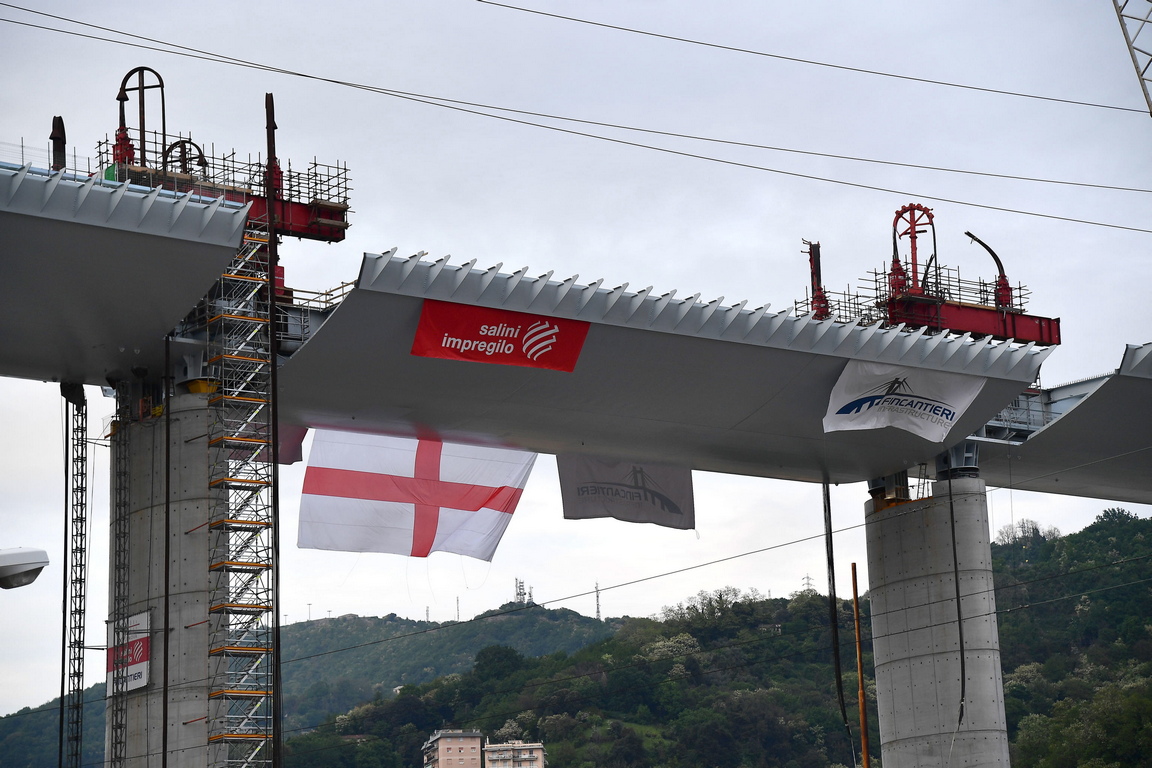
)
(407, 496)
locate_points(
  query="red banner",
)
(136, 651)
(482, 335)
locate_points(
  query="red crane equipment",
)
(312, 204)
(940, 300)
(932, 296)
(820, 306)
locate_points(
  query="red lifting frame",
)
(909, 300)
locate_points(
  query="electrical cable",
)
(791, 174)
(274, 427)
(518, 609)
(1034, 478)
(798, 633)
(1017, 585)
(506, 714)
(575, 595)
(443, 627)
(834, 614)
(959, 612)
(811, 62)
(1002, 611)
(223, 59)
(807, 630)
(811, 629)
(453, 105)
(167, 392)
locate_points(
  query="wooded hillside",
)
(723, 679)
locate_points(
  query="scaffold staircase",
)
(241, 553)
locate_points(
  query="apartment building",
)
(453, 749)
(515, 754)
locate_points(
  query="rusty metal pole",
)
(59, 141)
(861, 700)
(272, 194)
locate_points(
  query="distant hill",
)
(392, 651)
(1076, 642)
(730, 680)
(322, 680)
(30, 738)
(724, 680)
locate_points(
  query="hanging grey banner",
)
(626, 490)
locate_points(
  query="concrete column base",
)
(189, 506)
(916, 640)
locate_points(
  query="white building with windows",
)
(515, 754)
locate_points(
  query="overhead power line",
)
(517, 609)
(814, 63)
(729, 668)
(221, 58)
(757, 640)
(456, 105)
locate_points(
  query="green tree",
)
(497, 662)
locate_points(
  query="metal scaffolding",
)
(76, 587)
(241, 520)
(239, 325)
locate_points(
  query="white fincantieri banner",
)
(407, 496)
(591, 486)
(131, 657)
(925, 403)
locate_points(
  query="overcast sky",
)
(448, 182)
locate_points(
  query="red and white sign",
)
(131, 657)
(374, 493)
(482, 335)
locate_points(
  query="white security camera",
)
(20, 566)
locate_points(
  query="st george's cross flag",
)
(407, 496)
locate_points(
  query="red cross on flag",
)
(374, 493)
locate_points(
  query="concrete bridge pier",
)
(939, 685)
(145, 732)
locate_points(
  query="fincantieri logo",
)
(637, 492)
(896, 397)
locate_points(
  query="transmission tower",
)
(1134, 16)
